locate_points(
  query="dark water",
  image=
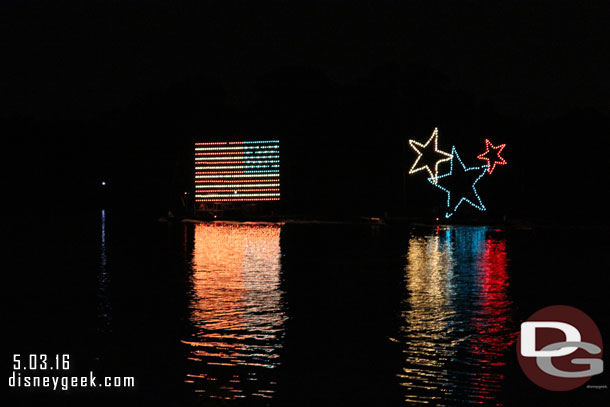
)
(299, 314)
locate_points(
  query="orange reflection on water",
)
(236, 310)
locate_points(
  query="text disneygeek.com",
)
(33, 371)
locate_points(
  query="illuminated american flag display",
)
(237, 171)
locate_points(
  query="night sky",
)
(119, 91)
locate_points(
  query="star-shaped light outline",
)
(480, 205)
(499, 147)
(415, 145)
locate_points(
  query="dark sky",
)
(75, 60)
(119, 90)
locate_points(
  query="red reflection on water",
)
(457, 315)
(493, 320)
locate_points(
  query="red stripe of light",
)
(233, 181)
(239, 190)
(218, 172)
(217, 162)
(237, 199)
(222, 153)
(217, 143)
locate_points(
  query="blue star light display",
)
(460, 184)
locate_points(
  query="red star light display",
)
(492, 155)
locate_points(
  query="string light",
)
(477, 171)
(216, 143)
(262, 152)
(207, 164)
(217, 153)
(232, 180)
(233, 176)
(239, 157)
(234, 194)
(492, 155)
(199, 186)
(420, 148)
(237, 167)
(224, 143)
(270, 171)
(236, 199)
(241, 190)
(235, 148)
(237, 171)
(217, 162)
(258, 161)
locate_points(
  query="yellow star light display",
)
(429, 156)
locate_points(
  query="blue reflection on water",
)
(104, 310)
(457, 323)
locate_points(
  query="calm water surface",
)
(457, 317)
(236, 312)
(299, 314)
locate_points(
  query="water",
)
(237, 313)
(457, 317)
(299, 314)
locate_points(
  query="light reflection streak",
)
(236, 311)
(103, 303)
(457, 317)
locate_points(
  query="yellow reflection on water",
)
(236, 310)
(429, 265)
(456, 315)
